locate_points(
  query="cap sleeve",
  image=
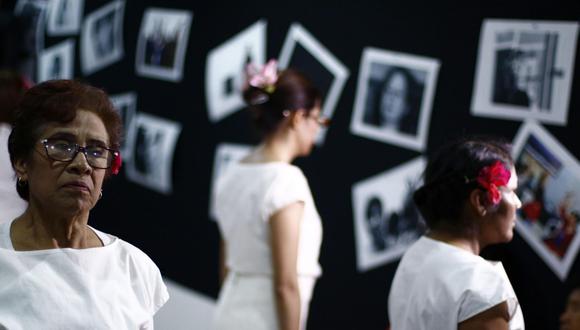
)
(288, 186)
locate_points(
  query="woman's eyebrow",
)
(62, 135)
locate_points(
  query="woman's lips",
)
(77, 185)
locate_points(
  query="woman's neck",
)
(463, 241)
(36, 230)
(275, 148)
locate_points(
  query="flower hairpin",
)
(116, 166)
(491, 177)
(265, 77)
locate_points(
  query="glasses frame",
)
(78, 149)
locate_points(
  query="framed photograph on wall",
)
(126, 105)
(64, 17)
(549, 189)
(57, 62)
(162, 43)
(226, 154)
(102, 37)
(525, 70)
(386, 220)
(303, 52)
(225, 70)
(151, 163)
(394, 98)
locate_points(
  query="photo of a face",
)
(56, 62)
(549, 190)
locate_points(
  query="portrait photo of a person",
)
(104, 34)
(395, 102)
(375, 222)
(512, 78)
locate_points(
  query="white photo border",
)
(129, 99)
(65, 48)
(52, 27)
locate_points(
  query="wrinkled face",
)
(393, 106)
(570, 319)
(499, 225)
(72, 186)
(308, 129)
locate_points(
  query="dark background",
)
(175, 230)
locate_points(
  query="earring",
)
(21, 182)
(101, 194)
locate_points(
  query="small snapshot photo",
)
(57, 62)
(64, 17)
(525, 70)
(126, 104)
(34, 12)
(304, 52)
(102, 37)
(162, 43)
(226, 154)
(154, 142)
(225, 70)
(549, 189)
(386, 220)
(394, 98)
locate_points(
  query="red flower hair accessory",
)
(491, 177)
(265, 77)
(116, 166)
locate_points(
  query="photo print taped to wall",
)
(525, 70)
(303, 52)
(57, 62)
(162, 43)
(225, 69)
(64, 17)
(126, 104)
(394, 98)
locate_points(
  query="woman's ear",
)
(21, 169)
(296, 117)
(478, 201)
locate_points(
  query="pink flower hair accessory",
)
(491, 177)
(265, 77)
(116, 166)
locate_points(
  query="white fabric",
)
(247, 195)
(116, 286)
(438, 285)
(11, 205)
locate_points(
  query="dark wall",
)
(175, 230)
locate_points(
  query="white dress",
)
(115, 286)
(438, 285)
(11, 205)
(247, 195)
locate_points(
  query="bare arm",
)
(223, 271)
(284, 233)
(495, 318)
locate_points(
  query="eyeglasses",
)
(65, 151)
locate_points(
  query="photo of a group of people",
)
(549, 189)
(525, 70)
(386, 220)
(394, 98)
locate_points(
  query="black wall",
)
(175, 230)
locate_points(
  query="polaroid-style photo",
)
(394, 98)
(162, 43)
(387, 223)
(225, 70)
(64, 17)
(35, 11)
(126, 105)
(303, 52)
(153, 146)
(102, 37)
(226, 154)
(56, 62)
(549, 189)
(525, 70)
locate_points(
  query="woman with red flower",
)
(468, 201)
(57, 271)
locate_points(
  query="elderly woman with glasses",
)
(57, 272)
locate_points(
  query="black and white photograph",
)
(126, 104)
(151, 163)
(35, 12)
(162, 43)
(226, 154)
(102, 37)
(549, 189)
(57, 62)
(225, 69)
(525, 70)
(386, 220)
(394, 98)
(64, 17)
(301, 50)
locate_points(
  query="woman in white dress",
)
(271, 231)
(468, 201)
